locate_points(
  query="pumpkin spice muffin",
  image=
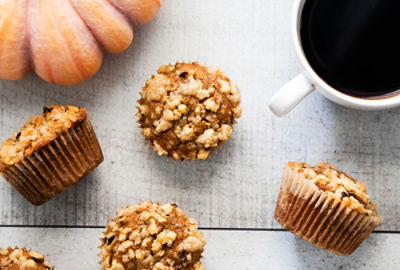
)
(22, 259)
(186, 111)
(326, 207)
(50, 153)
(153, 237)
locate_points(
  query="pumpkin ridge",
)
(28, 36)
(87, 26)
(81, 68)
(68, 48)
(14, 63)
(118, 27)
(27, 44)
(49, 71)
(120, 9)
(139, 12)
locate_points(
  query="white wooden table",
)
(233, 194)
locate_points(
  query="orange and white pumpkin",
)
(63, 41)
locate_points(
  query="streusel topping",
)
(186, 111)
(351, 192)
(22, 259)
(38, 132)
(153, 237)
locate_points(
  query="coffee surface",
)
(354, 45)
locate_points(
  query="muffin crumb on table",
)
(187, 111)
(152, 236)
(22, 259)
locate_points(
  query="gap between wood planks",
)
(201, 228)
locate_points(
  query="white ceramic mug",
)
(297, 89)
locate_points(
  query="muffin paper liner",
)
(313, 215)
(57, 166)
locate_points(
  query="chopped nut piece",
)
(166, 69)
(203, 154)
(153, 227)
(166, 237)
(185, 110)
(36, 256)
(22, 259)
(161, 237)
(28, 265)
(211, 105)
(117, 266)
(190, 244)
(140, 254)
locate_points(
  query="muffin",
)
(22, 259)
(187, 111)
(325, 207)
(50, 153)
(152, 236)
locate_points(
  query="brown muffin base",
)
(316, 217)
(58, 165)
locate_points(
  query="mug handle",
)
(290, 95)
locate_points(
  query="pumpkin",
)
(64, 41)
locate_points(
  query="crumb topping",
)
(22, 259)
(186, 111)
(38, 132)
(154, 237)
(351, 192)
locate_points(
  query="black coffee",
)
(354, 45)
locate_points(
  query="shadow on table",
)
(361, 133)
(76, 206)
(199, 175)
(312, 257)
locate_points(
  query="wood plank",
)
(239, 185)
(76, 249)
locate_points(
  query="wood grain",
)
(77, 249)
(239, 185)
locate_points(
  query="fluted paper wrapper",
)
(313, 215)
(57, 166)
